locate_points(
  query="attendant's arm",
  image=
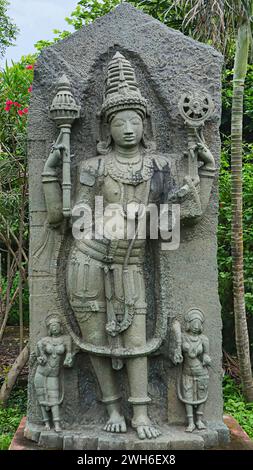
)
(206, 358)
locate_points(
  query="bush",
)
(15, 90)
(235, 405)
(10, 417)
(224, 227)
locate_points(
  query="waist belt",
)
(111, 252)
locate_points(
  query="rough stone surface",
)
(238, 440)
(50, 440)
(166, 64)
(87, 438)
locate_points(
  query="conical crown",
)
(121, 88)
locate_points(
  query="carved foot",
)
(57, 427)
(200, 425)
(116, 423)
(145, 429)
(190, 427)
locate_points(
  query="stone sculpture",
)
(105, 280)
(124, 118)
(48, 382)
(193, 351)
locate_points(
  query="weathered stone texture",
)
(166, 64)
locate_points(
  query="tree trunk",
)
(12, 376)
(241, 330)
(7, 311)
(20, 248)
(1, 291)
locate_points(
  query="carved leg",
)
(45, 417)
(40, 387)
(199, 415)
(92, 324)
(137, 369)
(189, 414)
(110, 393)
(93, 330)
(56, 417)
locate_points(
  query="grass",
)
(235, 405)
(10, 417)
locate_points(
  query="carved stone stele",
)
(133, 122)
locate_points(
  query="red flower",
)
(17, 104)
(30, 89)
(29, 67)
(7, 108)
(20, 112)
(9, 102)
(25, 110)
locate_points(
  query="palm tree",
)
(217, 20)
(240, 71)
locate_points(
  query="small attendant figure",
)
(52, 352)
(193, 352)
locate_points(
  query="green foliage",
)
(59, 35)
(15, 82)
(15, 88)
(235, 405)
(227, 91)
(8, 30)
(224, 227)
(224, 230)
(14, 313)
(89, 10)
(10, 417)
(167, 11)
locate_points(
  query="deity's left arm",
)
(193, 196)
(206, 174)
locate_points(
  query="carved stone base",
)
(90, 438)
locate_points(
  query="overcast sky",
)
(36, 20)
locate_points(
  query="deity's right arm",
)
(52, 188)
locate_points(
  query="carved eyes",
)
(120, 122)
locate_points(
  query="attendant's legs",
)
(45, 417)
(199, 417)
(40, 385)
(189, 414)
(56, 417)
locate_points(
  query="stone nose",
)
(128, 129)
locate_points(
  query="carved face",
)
(55, 328)
(195, 326)
(127, 129)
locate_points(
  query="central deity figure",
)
(104, 277)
